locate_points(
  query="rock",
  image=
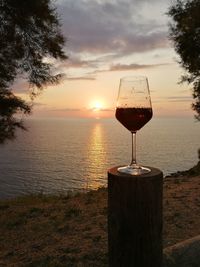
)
(183, 254)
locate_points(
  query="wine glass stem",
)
(133, 160)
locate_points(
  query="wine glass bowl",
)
(133, 118)
(133, 111)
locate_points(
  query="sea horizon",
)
(56, 155)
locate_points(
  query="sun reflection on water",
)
(96, 156)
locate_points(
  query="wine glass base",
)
(134, 170)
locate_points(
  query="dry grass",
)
(181, 208)
(50, 231)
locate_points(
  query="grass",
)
(54, 230)
(58, 231)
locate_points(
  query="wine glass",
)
(133, 111)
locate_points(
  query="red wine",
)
(133, 118)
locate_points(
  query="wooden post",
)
(135, 219)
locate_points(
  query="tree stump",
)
(135, 219)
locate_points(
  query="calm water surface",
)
(60, 155)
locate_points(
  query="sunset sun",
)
(97, 105)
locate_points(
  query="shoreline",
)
(195, 170)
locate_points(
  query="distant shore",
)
(58, 231)
(194, 171)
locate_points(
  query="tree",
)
(10, 105)
(29, 35)
(185, 34)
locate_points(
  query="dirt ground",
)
(58, 231)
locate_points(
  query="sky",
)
(107, 40)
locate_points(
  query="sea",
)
(56, 156)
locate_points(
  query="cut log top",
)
(154, 174)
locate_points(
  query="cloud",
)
(101, 109)
(80, 78)
(179, 98)
(38, 104)
(76, 62)
(118, 27)
(99, 32)
(65, 110)
(20, 86)
(173, 99)
(106, 109)
(122, 67)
